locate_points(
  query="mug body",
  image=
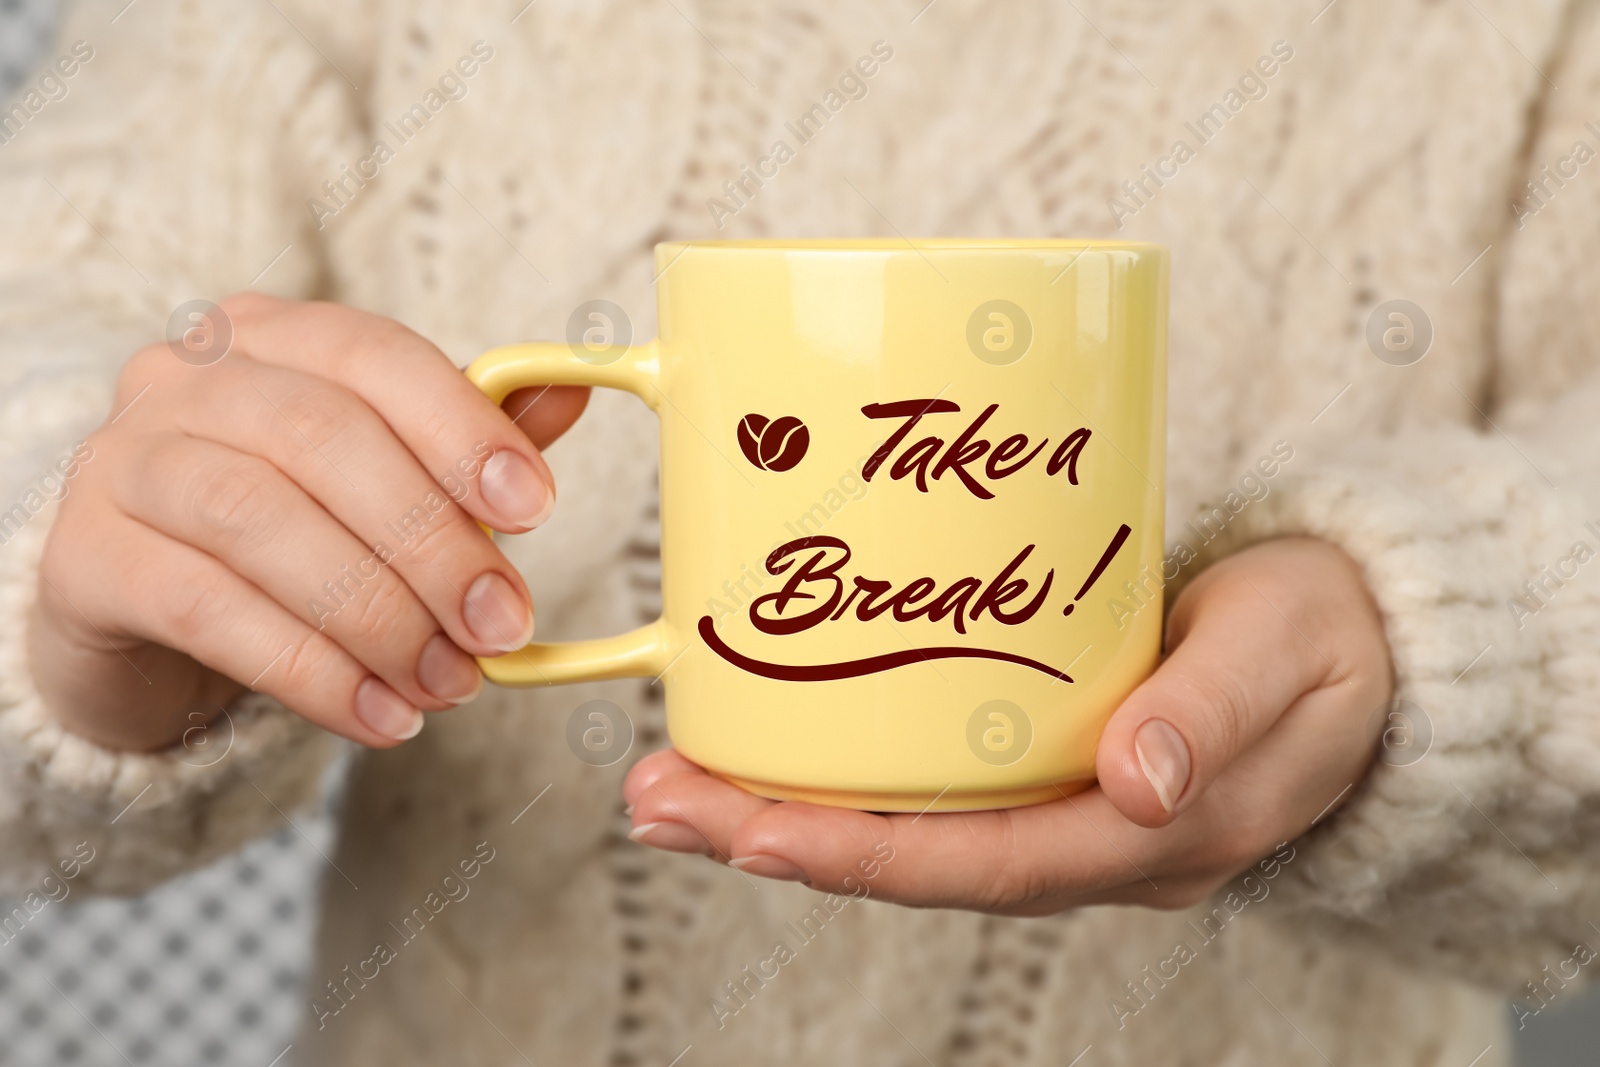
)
(904, 492)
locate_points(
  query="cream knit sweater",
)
(1386, 155)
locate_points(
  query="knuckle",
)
(1017, 892)
(147, 364)
(248, 304)
(320, 414)
(236, 498)
(371, 341)
(374, 345)
(440, 424)
(381, 607)
(301, 666)
(1223, 710)
(190, 608)
(438, 536)
(1015, 882)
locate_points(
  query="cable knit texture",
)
(1380, 160)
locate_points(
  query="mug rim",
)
(916, 246)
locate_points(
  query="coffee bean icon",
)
(773, 444)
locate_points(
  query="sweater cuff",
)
(1455, 851)
(144, 816)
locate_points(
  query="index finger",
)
(1026, 861)
(459, 435)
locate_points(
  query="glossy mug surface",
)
(901, 487)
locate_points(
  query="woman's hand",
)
(295, 517)
(1262, 716)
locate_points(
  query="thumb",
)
(1236, 663)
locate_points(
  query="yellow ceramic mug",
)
(901, 485)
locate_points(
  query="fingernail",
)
(672, 836)
(497, 615)
(628, 810)
(516, 489)
(637, 783)
(1164, 758)
(765, 866)
(447, 672)
(382, 710)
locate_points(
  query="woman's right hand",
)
(296, 517)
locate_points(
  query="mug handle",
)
(640, 653)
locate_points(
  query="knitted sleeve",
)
(1472, 846)
(163, 153)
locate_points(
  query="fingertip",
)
(672, 837)
(824, 843)
(776, 868)
(386, 713)
(650, 770)
(519, 488)
(1163, 757)
(1130, 791)
(447, 673)
(545, 412)
(1143, 765)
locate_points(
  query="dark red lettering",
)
(875, 589)
(1011, 446)
(964, 450)
(911, 411)
(903, 603)
(812, 570)
(954, 600)
(1005, 589)
(1067, 453)
(916, 458)
(813, 566)
(929, 458)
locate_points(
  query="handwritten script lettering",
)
(930, 458)
(816, 578)
(819, 586)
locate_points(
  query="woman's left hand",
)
(1260, 719)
